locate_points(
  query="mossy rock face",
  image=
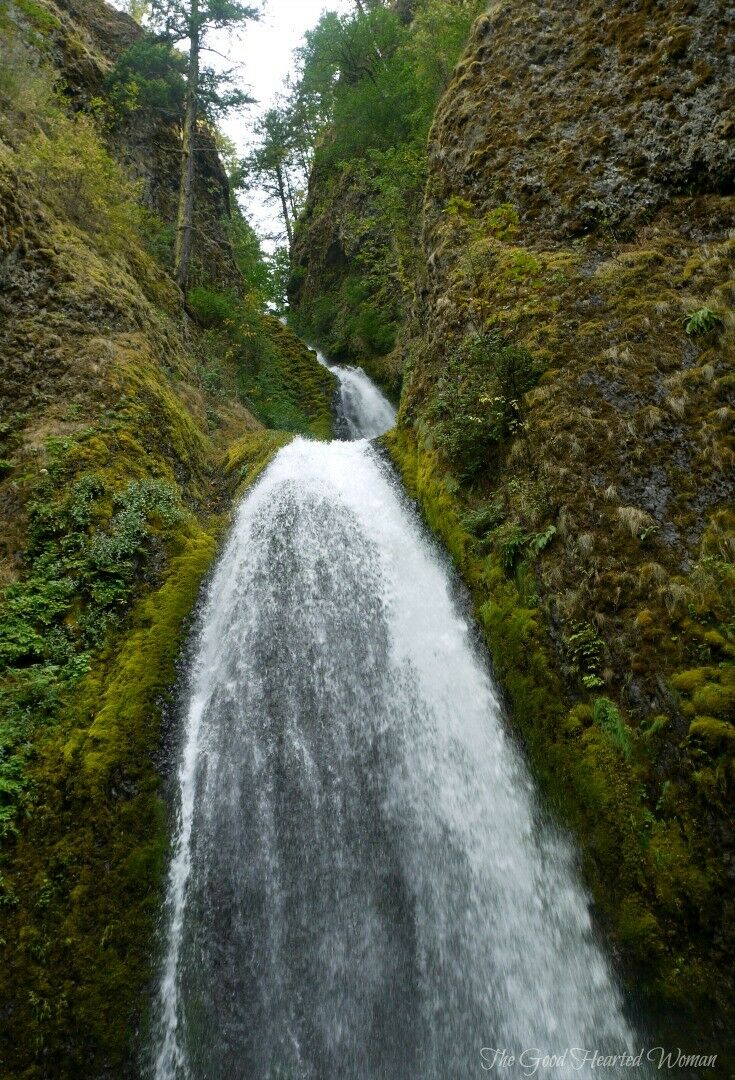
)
(337, 243)
(649, 850)
(304, 387)
(626, 108)
(570, 219)
(82, 881)
(121, 457)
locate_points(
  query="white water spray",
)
(363, 884)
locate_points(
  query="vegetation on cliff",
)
(358, 118)
(130, 416)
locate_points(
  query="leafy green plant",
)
(585, 651)
(502, 221)
(650, 530)
(702, 321)
(278, 379)
(607, 716)
(513, 541)
(541, 540)
(481, 521)
(87, 549)
(479, 399)
(510, 546)
(211, 307)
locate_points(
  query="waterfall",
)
(363, 883)
(362, 411)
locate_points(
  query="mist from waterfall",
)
(363, 882)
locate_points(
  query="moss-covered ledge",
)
(247, 457)
(81, 884)
(650, 873)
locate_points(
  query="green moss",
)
(120, 701)
(638, 929)
(647, 867)
(688, 681)
(715, 700)
(95, 844)
(38, 15)
(708, 691)
(715, 735)
(249, 455)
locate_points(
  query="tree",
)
(148, 75)
(272, 163)
(138, 10)
(207, 92)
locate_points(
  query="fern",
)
(541, 540)
(702, 321)
(607, 716)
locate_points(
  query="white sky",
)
(265, 50)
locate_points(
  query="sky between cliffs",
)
(265, 51)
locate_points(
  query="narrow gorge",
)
(367, 603)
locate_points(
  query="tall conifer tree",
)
(207, 92)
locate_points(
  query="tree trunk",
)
(284, 204)
(184, 220)
(291, 199)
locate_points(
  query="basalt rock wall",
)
(567, 423)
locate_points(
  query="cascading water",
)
(363, 884)
(362, 412)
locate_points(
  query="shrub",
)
(479, 399)
(502, 222)
(373, 328)
(212, 308)
(76, 175)
(148, 75)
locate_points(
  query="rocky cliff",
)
(572, 399)
(127, 426)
